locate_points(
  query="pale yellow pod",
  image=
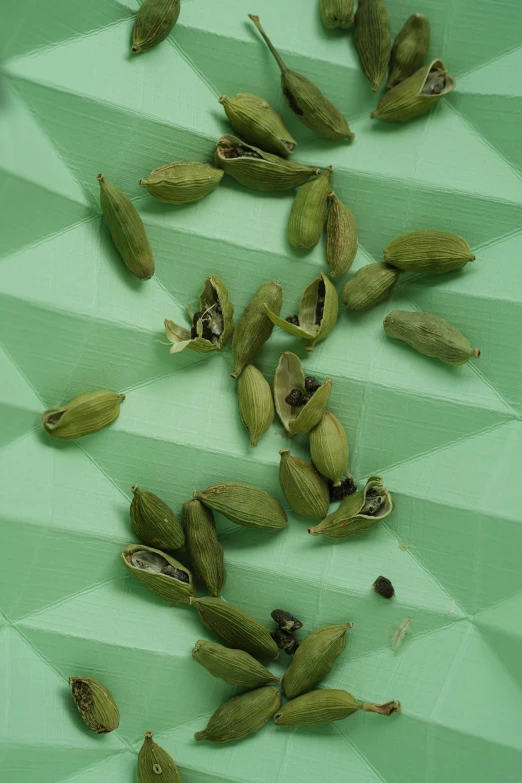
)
(342, 239)
(256, 406)
(308, 212)
(369, 285)
(329, 448)
(303, 487)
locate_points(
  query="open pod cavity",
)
(212, 324)
(289, 376)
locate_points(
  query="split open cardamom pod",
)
(160, 572)
(358, 512)
(212, 325)
(301, 412)
(415, 95)
(95, 704)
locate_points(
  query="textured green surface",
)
(448, 441)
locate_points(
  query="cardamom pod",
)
(83, 415)
(369, 285)
(256, 406)
(306, 100)
(341, 237)
(252, 167)
(373, 39)
(299, 418)
(258, 123)
(409, 49)
(238, 628)
(326, 706)
(206, 553)
(212, 325)
(181, 183)
(329, 448)
(244, 505)
(160, 572)
(154, 21)
(95, 704)
(155, 765)
(235, 667)
(430, 335)
(126, 229)
(308, 213)
(337, 13)
(358, 512)
(415, 95)
(242, 715)
(318, 311)
(303, 487)
(314, 658)
(154, 522)
(255, 327)
(430, 252)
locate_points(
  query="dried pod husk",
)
(303, 487)
(154, 522)
(337, 13)
(155, 765)
(206, 553)
(314, 659)
(369, 285)
(258, 123)
(235, 667)
(415, 95)
(308, 212)
(95, 704)
(342, 240)
(326, 706)
(212, 326)
(329, 448)
(181, 183)
(318, 311)
(160, 572)
(244, 505)
(238, 628)
(358, 512)
(83, 415)
(154, 21)
(289, 375)
(430, 252)
(256, 406)
(255, 327)
(126, 229)
(373, 39)
(409, 49)
(430, 335)
(242, 715)
(252, 167)
(306, 100)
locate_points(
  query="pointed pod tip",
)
(374, 114)
(476, 353)
(199, 735)
(253, 17)
(100, 178)
(222, 98)
(134, 488)
(148, 735)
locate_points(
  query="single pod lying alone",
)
(326, 706)
(430, 335)
(430, 252)
(238, 628)
(303, 487)
(373, 39)
(95, 704)
(299, 401)
(342, 240)
(206, 553)
(235, 667)
(256, 406)
(337, 13)
(415, 95)
(83, 415)
(369, 285)
(329, 448)
(409, 49)
(155, 764)
(306, 100)
(358, 512)
(154, 522)
(318, 311)
(256, 169)
(255, 327)
(160, 572)
(258, 123)
(308, 212)
(154, 21)
(314, 658)
(244, 505)
(212, 324)
(181, 183)
(241, 715)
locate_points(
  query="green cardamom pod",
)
(83, 415)
(358, 512)
(415, 95)
(241, 715)
(181, 183)
(95, 704)
(154, 522)
(300, 416)
(212, 325)
(155, 765)
(255, 327)
(235, 667)
(238, 628)
(306, 100)
(337, 13)
(126, 229)
(373, 39)
(409, 49)
(308, 213)
(303, 487)
(258, 123)
(154, 21)
(430, 252)
(341, 237)
(256, 406)
(369, 285)
(430, 335)
(160, 572)
(329, 448)
(326, 706)
(314, 658)
(206, 553)
(244, 505)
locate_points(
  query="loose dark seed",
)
(312, 384)
(292, 319)
(384, 587)
(285, 620)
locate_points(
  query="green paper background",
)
(446, 440)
